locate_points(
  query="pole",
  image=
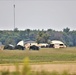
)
(14, 16)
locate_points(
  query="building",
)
(42, 45)
(30, 43)
(57, 44)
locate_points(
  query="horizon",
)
(38, 29)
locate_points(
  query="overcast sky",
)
(38, 14)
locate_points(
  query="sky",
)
(38, 14)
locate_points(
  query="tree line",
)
(40, 36)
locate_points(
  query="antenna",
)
(14, 15)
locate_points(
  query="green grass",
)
(43, 55)
(26, 70)
(35, 73)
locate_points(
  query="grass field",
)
(43, 55)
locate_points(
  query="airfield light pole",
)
(14, 15)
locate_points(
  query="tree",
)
(66, 30)
(42, 37)
(28, 32)
(16, 29)
(49, 30)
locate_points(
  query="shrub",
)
(26, 68)
(6, 72)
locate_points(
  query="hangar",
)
(57, 44)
